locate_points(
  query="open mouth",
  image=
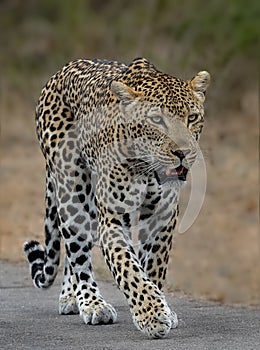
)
(170, 174)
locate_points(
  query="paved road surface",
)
(29, 320)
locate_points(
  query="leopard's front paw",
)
(155, 325)
(101, 313)
(174, 320)
(68, 305)
(154, 317)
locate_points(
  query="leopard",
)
(119, 141)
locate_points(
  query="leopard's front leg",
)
(156, 227)
(154, 255)
(148, 306)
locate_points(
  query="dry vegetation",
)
(219, 256)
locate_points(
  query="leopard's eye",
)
(157, 119)
(193, 117)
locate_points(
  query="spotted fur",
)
(118, 141)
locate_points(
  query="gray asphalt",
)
(29, 320)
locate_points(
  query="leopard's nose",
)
(181, 153)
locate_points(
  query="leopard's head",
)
(164, 117)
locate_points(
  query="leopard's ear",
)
(200, 83)
(123, 93)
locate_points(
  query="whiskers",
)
(144, 165)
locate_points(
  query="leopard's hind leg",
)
(44, 261)
(78, 225)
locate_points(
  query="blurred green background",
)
(179, 36)
(219, 256)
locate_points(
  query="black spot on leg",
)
(81, 260)
(74, 247)
(88, 189)
(67, 251)
(51, 254)
(84, 276)
(79, 188)
(65, 233)
(87, 248)
(56, 245)
(82, 198)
